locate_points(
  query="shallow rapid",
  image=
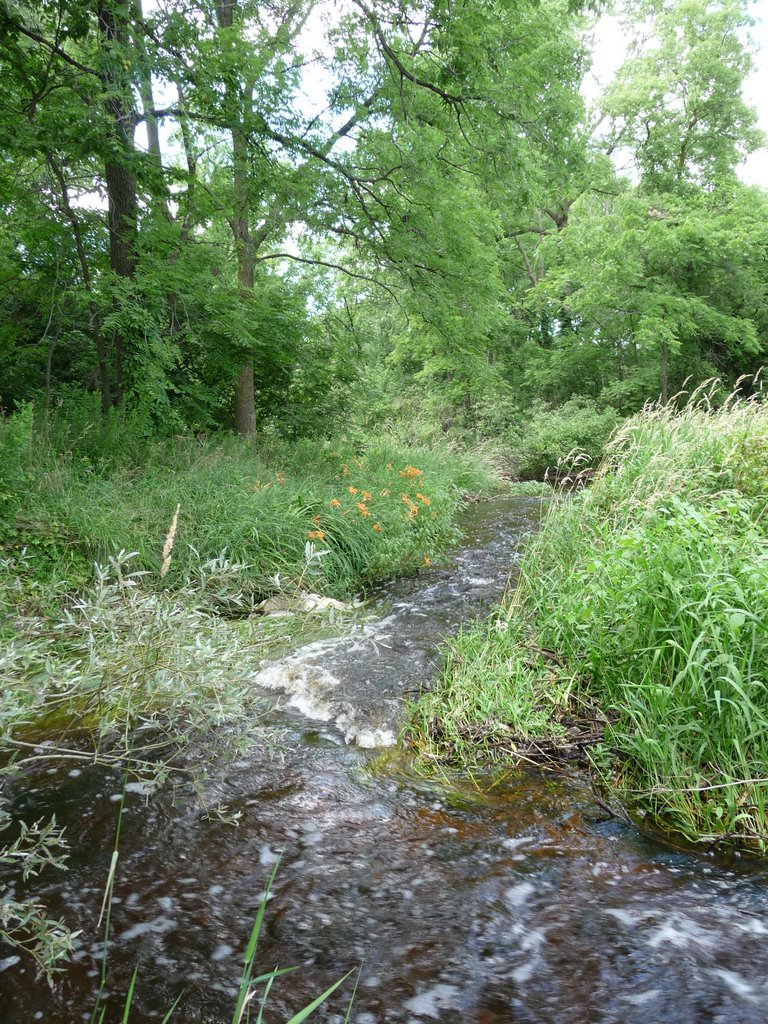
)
(509, 899)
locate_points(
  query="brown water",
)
(509, 900)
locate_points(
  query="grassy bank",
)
(128, 571)
(377, 511)
(642, 610)
(132, 572)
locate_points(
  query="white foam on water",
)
(369, 739)
(642, 997)
(312, 691)
(306, 686)
(628, 918)
(157, 926)
(680, 931)
(755, 927)
(518, 895)
(222, 951)
(143, 788)
(267, 856)
(736, 983)
(512, 842)
(523, 973)
(432, 1001)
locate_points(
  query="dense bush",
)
(550, 441)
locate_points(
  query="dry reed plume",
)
(168, 546)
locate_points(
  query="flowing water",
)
(506, 900)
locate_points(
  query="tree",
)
(678, 105)
(664, 278)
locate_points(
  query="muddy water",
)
(509, 900)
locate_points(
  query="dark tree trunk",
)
(245, 410)
(77, 233)
(119, 164)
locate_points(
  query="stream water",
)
(504, 900)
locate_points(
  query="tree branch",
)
(331, 266)
(53, 47)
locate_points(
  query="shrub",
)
(551, 438)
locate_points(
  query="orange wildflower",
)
(316, 519)
(352, 490)
(413, 509)
(427, 562)
(362, 509)
(315, 535)
(410, 471)
(424, 499)
(335, 503)
(377, 527)
(345, 469)
(366, 496)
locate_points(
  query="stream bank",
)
(502, 899)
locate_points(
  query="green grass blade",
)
(303, 1014)
(129, 997)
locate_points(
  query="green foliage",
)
(655, 289)
(649, 592)
(15, 461)
(678, 104)
(24, 924)
(553, 442)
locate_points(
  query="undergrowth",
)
(376, 511)
(643, 603)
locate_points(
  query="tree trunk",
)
(159, 187)
(245, 409)
(664, 373)
(77, 233)
(119, 164)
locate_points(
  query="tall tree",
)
(678, 106)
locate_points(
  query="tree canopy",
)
(224, 212)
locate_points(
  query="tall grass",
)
(376, 512)
(645, 598)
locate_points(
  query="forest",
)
(242, 216)
(286, 290)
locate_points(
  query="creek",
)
(504, 899)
